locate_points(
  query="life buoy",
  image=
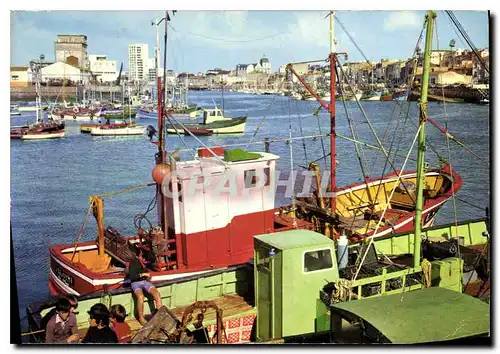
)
(62, 116)
(76, 110)
(56, 111)
(74, 117)
(91, 117)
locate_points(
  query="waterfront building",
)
(479, 74)
(449, 78)
(103, 69)
(393, 72)
(20, 76)
(263, 66)
(72, 47)
(63, 71)
(138, 62)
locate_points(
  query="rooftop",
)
(294, 239)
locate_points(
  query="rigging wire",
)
(301, 132)
(228, 40)
(350, 37)
(399, 174)
(350, 120)
(372, 129)
(449, 151)
(261, 122)
(294, 224)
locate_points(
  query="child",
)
(62, 328)
(99, 331)
(121, 328)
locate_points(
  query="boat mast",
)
(431, 15)
(333, 154)
(159, 91)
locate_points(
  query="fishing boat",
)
(371, 96)
(40, 130)
(197, 131)
(214, 121)
(118, 130)
(78, 114)
(124, 129)
(30, 107)
(86, 128)
(119, 114)
(401, 95)
(386, 96)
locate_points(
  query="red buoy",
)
(160, 171)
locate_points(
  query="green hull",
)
(190, 109)
(233, 126)
(119, 115)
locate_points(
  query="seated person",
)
(99, 331)
(139, 276)
(45, 319)
(62, 328)
(118, 324)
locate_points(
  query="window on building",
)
(15, 77)
(251, 178)
(317, 260)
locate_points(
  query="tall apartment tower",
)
(72, 48)
(138, 62)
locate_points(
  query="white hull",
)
(27, 109)
(54, 135)
(357, 97)
(15, 113)
(126, 131)
(373, 98)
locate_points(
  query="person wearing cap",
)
(62, 328)
(99, 331)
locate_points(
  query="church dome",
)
(264, 60)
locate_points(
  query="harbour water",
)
(52, 180)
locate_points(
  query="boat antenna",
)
(431, 15)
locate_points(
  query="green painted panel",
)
(173, 295)
(427, 315)
(471, 231)
(240, 155)
(263, 296)
(301, 290)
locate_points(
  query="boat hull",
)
(86, 128)
(234, 126)
(44, 135)
(118, 131)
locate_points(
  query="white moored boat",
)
(118, 131)
(43, 135)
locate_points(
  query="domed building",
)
(264, 65)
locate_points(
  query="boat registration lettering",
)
(65, 278)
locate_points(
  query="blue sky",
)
(222, 39)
